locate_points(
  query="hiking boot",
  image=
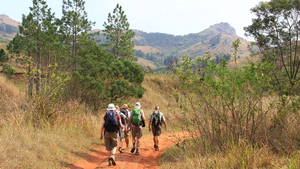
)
(120, 150)
(132, 150)
(156, 148)
(112, 159)
(137, 152)
(109, 162)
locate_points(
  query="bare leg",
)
(127, 141)
(156, 141)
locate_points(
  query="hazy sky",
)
(177, 17)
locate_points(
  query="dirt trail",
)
(147, 159)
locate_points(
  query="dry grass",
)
(75, 131)
(23, 146)
(236, 156)
(147, 49)
(159, 91)
(146, 62)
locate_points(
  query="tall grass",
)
(238, 156)
(239, 121)
(29, 140)
(22, 145)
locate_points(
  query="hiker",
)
(136, 122)
(110, 127)
(126, 112)
(122, 129)
(156, 119)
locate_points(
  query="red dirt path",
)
(147, 159)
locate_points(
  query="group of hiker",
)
(118, 123)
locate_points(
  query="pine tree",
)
(37, 32)
(118, 34)
(74, 25)
(3, 56)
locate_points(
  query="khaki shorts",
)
(136, 131)
(121, 133)
(156, 131)
(110, 140)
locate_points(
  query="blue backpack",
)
(111, 121)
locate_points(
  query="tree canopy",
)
(276, 32)
(119, 36)
(62, 51)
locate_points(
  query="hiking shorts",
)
(121, 133)
(136, 131)
(156, 131)
(110, 140)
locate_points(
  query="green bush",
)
(9, 71)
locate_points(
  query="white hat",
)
(137, 105)
(111, 106)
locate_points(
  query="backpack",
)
(156, 119)
(125, 112)
(136, 117)
(111, 121)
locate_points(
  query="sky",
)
(176, 17)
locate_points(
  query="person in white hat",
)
(111, 126)
(125, 110)
(136, 122)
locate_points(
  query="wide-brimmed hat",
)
(111, 106)
(137, 105)
(125, 106)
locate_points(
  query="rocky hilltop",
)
(222, 27)
(8, 28)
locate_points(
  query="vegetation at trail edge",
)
(238, 115)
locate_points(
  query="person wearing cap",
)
(156, 119)
(110, 132)
(122, 130)
(136, 129)
(125, 110)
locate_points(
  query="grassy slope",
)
(75, 131)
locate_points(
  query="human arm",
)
(164, 121)
(102, 131)
(129, 123)
(150, 125)
(120, 122)
(165, 124)
(144, 120)
(150, 121)
(125, 124)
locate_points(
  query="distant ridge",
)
(7, 20)
(160, 48)
(8, 28)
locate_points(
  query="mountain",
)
(160, 48)
(217, 39)
(8, 28)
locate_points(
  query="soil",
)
(148, 157)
